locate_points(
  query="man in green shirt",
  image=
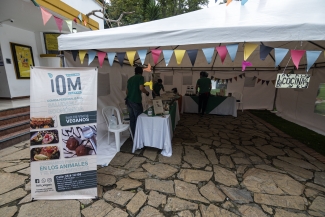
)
(204, 83)
(156, 88)
(135, 87)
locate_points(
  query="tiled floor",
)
(16, 103)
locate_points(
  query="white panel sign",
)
(292, 81)
(63, 130)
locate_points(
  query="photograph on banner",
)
(45, 153)
(320, 100)
(79, 141)
(44, 137)
(43, 122)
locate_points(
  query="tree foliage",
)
(148, 10)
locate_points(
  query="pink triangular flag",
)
(45, 15)
(155, 55)
(59, 22)
(101, 57)
(296, 56)
(222, 51)
(245, 64)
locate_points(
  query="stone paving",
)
(221, 166)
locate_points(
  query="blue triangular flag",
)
(264, 51)
(142, 55)
(80, 17)
(167, 55)
(91, 56)
(74, 54)
(111, 57)
(312, 56)
(120, 57)
(192, 55)
(243, 2)
(280, 53)
(232, 51)
(208, 53)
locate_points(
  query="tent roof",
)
(256, 21)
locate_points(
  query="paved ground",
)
(221, 166)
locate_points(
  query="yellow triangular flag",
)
(150, 84)
(249, 49)
(130, 55)
(179, 54)
(228, 2)
(82, 54)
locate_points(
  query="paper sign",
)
(292, 81)
(158, 106)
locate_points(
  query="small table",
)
(216, 105)
(156, 131)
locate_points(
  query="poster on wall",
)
(63, 130)
(320, 100)
(292, 81)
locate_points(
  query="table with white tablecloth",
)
(156, 131)
(227, 105)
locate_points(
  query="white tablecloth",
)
(227, 107)
(155, 132)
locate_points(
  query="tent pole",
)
(274, 101)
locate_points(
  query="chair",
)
(125, 116)
(239, 100)
(107, 113)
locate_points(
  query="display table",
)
(156, 131)
(219, 105)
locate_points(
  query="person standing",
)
(135, 86)
(204, 85)
(156, 88)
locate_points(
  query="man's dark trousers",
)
(135, 109)
(203, 102)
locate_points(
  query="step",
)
(14, 138)
(12, 118)
(14, 127)
(12, 111)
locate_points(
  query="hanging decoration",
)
(131, 55)
(59, 22)
(246, 64)
(91, 56)
(222, 51)
(142, 55)
(74, 54)
(120, 57)
(192, 54)
(75, 20)
(167, 55)
(179, 54)
(45, 15)
(208, 53)
(228, 2)
(69, 24)
(264, 51)
(80, 17)
(148, 69)
(243, 2)
(312, 56)
(82, 54)
(111, 57)
(101, 57)
(155, 55)
(150, 84)
(249, 49)
(296, 56)
(232, 50)
(280, 53)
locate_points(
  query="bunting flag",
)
(35, 3)
(80, 17)
(192, 54)
(264, 51)
(267, 83)
(243, 2)
(227, 81)
(75, 20)
(263, 82)
(111, 57)
(85, 22)
(254, 78)
(148, 69)
(69, 24)
(232, 50)
(296, 56)
(245, 64)
(244, 75)
(312, 56)
(120, 57)
(258, 80)
(179, 54)
(208, 53)
(167, 55)
(45, 15)
(101, 57)
(82, 54)
(273, 82)
(131, 55)
(74, 54)
(241, 76)
(142, 55)
(155, 55)
(235, 78)
(228, 2)
(230, 80)
(279, 53)
(222, 51)
(91, 56)
(59, 22)
(249, 49)
(149, 83)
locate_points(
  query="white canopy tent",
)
(291, 24)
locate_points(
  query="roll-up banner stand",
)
(63, 130)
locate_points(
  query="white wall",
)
(86, 6)
(18, 87)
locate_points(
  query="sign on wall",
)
(63, 130)
(292, 81)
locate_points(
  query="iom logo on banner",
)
(66, 84)
(292, 81)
